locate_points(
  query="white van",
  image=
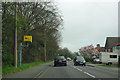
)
(108, 58)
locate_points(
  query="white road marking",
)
(84, 72)
(89, 74)
(78, 69)
(38, 74)
(43, 73)
(74, 67)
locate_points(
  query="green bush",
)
(7, 59)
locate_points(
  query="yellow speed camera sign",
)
(28, 38)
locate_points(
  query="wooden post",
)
(15, 37)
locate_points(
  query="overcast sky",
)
(88, 22)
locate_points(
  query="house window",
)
(118, 47)
(113, 56)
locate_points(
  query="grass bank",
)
(104, 65)
(11, 69)
(113, 66)
(89, 63)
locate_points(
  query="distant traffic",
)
(62, 61)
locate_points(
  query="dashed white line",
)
(38, 74)
(84, 72)
(74, 67)
(78, 69)
(89, 74)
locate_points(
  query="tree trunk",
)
(44, 46)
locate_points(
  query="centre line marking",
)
(38, 74)
(74, 67)
(78, 69)
(84, 72)
(89, 74)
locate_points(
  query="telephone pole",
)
(15, 38)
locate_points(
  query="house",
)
(110, 43)
(100, 49)
(113, 45)
(116, 48)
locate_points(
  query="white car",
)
(68, 59)
(96, 60)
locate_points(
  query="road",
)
(70, 71)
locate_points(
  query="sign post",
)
(20, 54)
(26, 39)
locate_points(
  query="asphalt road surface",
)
(70, 71)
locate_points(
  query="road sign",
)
(28, 38)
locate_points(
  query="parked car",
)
(68, 59)
(96, 60)
(79, 60)
(60, 60)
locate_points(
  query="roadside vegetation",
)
(7, 69)
(43, 21)
(89, 63)
(104, 65)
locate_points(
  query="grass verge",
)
(89, 63)
(11, 69)
(104, 65)
(112, 66)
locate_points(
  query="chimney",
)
(98, 45)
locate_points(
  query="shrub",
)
(7, 59)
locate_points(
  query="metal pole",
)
(20, 54)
